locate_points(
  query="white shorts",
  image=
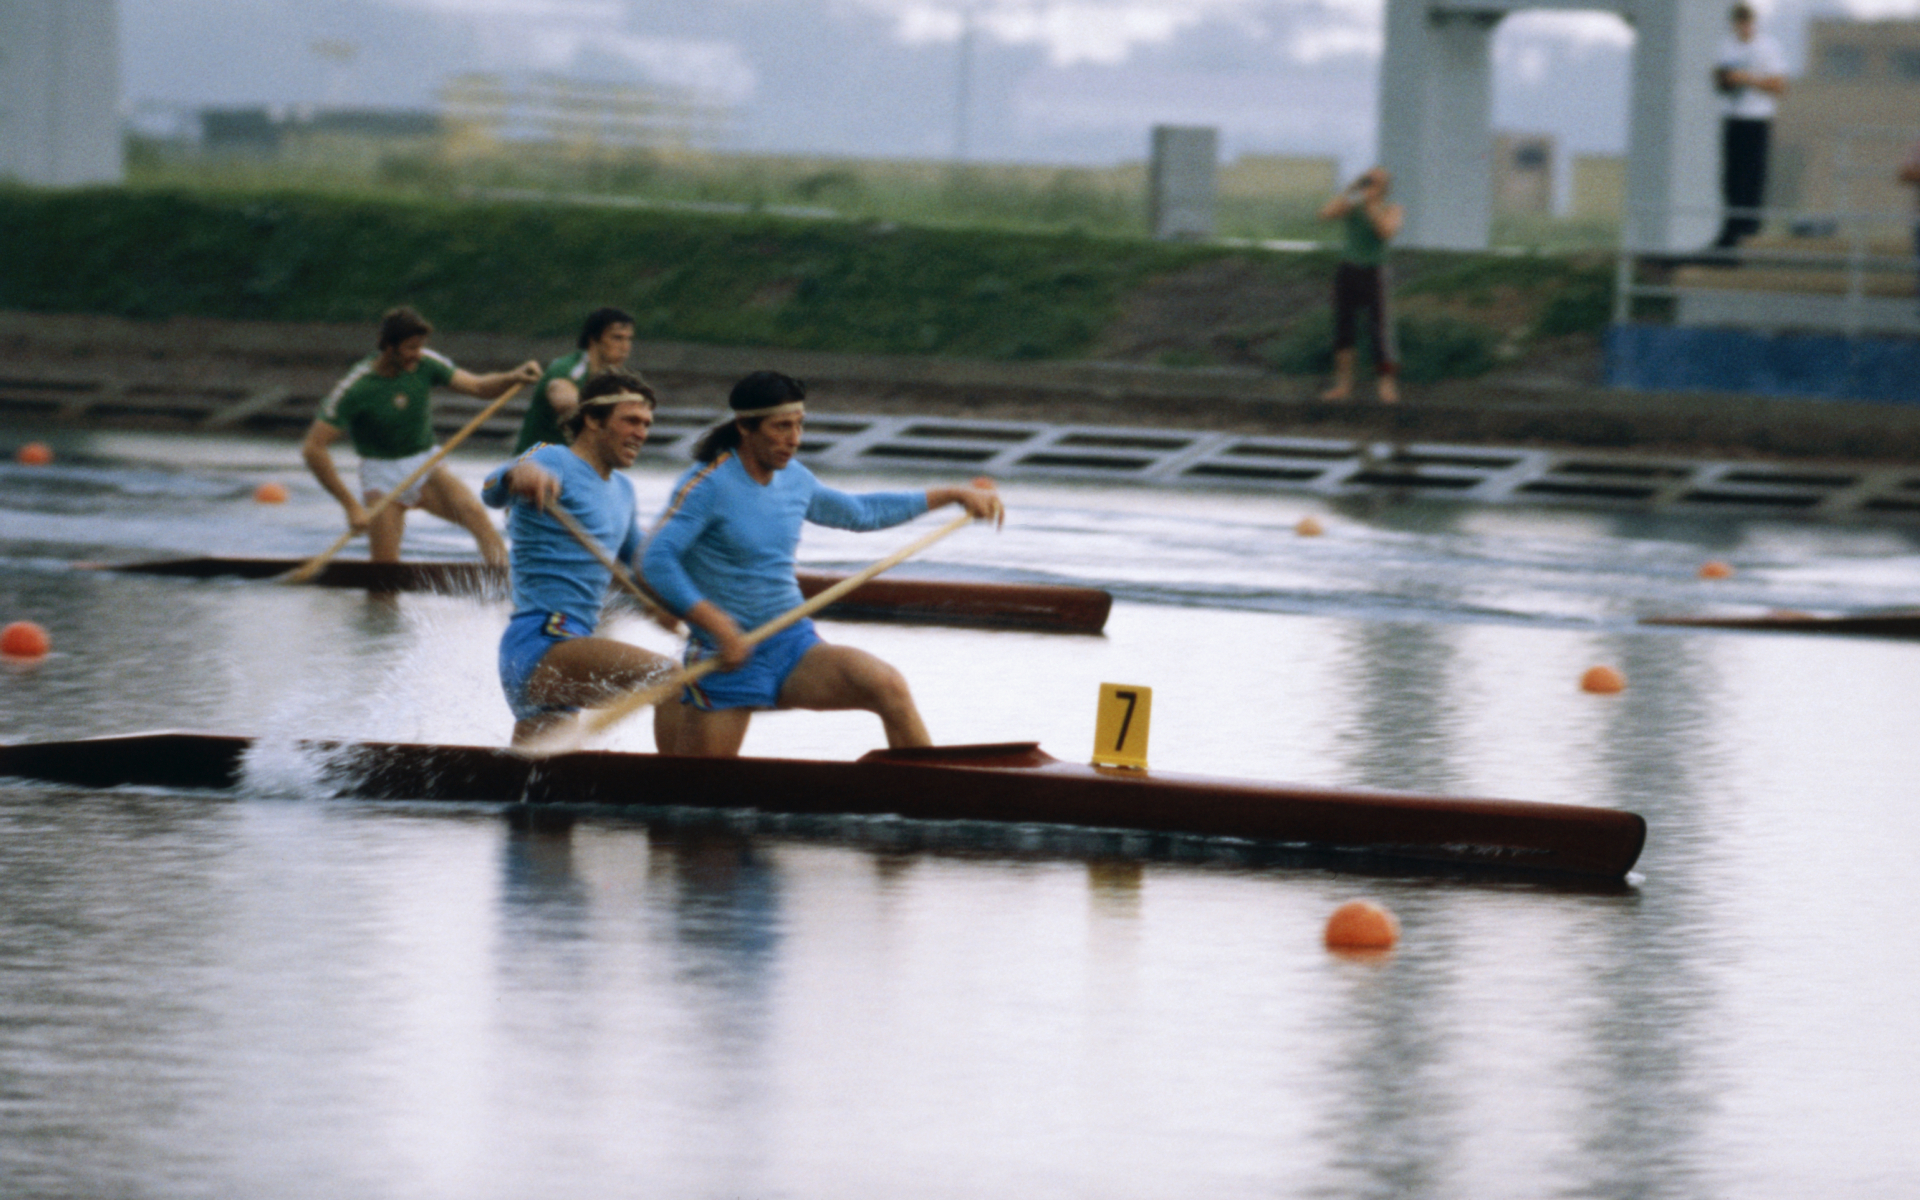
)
(385, 474)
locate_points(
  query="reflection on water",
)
(279, 994)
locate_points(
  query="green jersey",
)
(387, 417)
(1365, 247)
(540, 423)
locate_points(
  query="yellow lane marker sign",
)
(1120, 729)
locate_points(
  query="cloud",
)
(587, 38)
(601, 12)
(1105, 32)
(1575, 31)
(1312, 46)
(714, 70)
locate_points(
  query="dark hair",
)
(606, 383)
(762, 389)
(399, 324)
(1740, 12)
(597, 323)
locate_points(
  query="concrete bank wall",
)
(292, 365)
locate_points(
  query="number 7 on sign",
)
(1120, 727)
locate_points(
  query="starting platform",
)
(1331, 467)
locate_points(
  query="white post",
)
(60, 92)
(1180, 181)
(1436, 118)
(1436, 121)
(1673, 138)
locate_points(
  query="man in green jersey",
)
(1360, 283)
(383, 405)
(605, 341)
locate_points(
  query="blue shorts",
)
(528, 638)
(758, 684)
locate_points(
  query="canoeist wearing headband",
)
(550, 663)
(721, 556)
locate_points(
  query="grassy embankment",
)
(841, 285)
(1254, 204)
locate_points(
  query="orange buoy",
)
(35, 454)
(1308, 527)
(1362, 925)
(1603, 681)
(270, 493)
(24, 639)
(1715, 569)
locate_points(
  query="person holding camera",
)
(1360, 283)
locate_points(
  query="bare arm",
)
(489, 387)
(1385, 218)
(980, 502)
(315, 453)
(563, 397)
(1337, 207)
(727, 638)
(534, 484)
(1732, 79)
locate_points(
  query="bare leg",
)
(835, 678)
(447, 498)
(667, 722)
(388, 529)
(1342, 376)
(1389, 389)
(534, 728)
(582, 672)
(709, 734)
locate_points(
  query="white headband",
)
(773, 410)
(616, 398)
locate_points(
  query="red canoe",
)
(1902, 624)
(1053, 608)
(1014, 783)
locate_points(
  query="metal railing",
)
(1857, 258)
(1850, 239)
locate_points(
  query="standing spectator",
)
(1749, 74)
(1360, 282)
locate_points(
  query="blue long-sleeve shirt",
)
(552, 571)
(730, 540)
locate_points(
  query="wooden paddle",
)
(625, 579)
(568, 737)
(305, 572)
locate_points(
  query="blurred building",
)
(1598, 189)
(485, 113)
(1262, 176)
(1523, 174)
(60, 92)
(1847, 124)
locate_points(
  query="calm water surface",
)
(283, 994)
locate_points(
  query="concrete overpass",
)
(1436, 111)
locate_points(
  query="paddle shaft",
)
(313, 566)
(624, 706)
(620, 574)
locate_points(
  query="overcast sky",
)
(1072, 81)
